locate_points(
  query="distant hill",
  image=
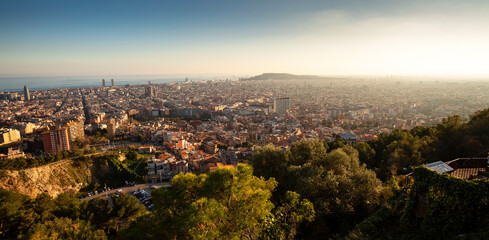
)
(282, 76)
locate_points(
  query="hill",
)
(283, 76)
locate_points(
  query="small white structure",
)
(439, 166)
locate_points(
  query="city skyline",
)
(58, 38)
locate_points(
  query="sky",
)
(244, 37)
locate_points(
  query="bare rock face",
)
(53, 179)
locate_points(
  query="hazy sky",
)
(69, 38)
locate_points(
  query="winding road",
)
(127, 189)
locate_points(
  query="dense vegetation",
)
(136, 162)
(337, 180)
(430, 206)
(110, 171)
(449, 206)
(223, 204)
(342, 190)
(22, 163)
(402, 150)
(64, 217)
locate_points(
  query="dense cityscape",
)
(195, 118)
(244, 120)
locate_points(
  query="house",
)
(146, 149)
(348, 137)
(464, 168)
(469, 168)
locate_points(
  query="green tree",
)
(269, 161)
(16, 214)
(342, 190)
(65, 228)
(366, 154)
(449, 138)
(98, 212)
(226, 204)
(406, 153)
(43, 205)
(285, 221)
(66, 205)
(338, 142)
(223, 204)
(306, 151)
(421, 131)
(132, 156)
(125, 211)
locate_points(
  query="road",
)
(127, 189)
(114, 145)
(60, 106)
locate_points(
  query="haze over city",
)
(244, 119)
(209, 38)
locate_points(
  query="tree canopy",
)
(224, 204)
(340, 188)
(64, 217)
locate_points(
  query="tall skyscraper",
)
(150, 90)
(103, 82)
(112, 82)
(27, 95)
(56, 140)
(281, 105)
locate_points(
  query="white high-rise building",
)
(281, 105)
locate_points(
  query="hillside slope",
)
(55, 178)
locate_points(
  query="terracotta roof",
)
(218, 165)
(467, 173)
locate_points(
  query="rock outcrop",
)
(55, 178)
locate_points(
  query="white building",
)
(281, 105)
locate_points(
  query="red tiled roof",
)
(467, 173)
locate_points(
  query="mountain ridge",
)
(283, 76)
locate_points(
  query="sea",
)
(13, 84)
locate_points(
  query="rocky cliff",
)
(55, 178)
